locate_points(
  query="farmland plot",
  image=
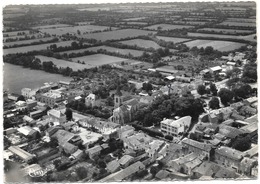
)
(143, 43)
(248, 38)
(37, 35)
(15, 33)
(240, 24)
(97, 60)
(241, 20)
(172, 39)
(135, 53)
(117, 35)
(74, 30)
(63, 63)
(134, 19)
(226, 31)
(34, 47)
(51, 26)
(217, 45)
(27, 41)
(166, 27)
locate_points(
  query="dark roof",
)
(229, 152)
(162, 174)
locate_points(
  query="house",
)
(215, 70)
(69, 148)
(137, 84)
(89, 137)
(189, 166)
(175, 127)
(36, 114)
(206, 168)
(50, 98)
(93, 152)
(28, 131)
(125, 161)
(226, 173)
(78, 154)
(247, 111)
(146, 99)
(228, 157)
(125, 173)
(90, 100)
(162, 175)
(125, 131)
(154, 147)
(31, 104)
(29, 120)
(65, 84)
(113, 166)
(252, 152)
(250, 100)
(56, 116)
(24, 155)
(28, 93)
(27, 171)
(202, 149)
(178, 164)
(246, 166)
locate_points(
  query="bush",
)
(169, 137)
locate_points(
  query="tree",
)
(225, 95)
(243, 92)
(147, 86)
(208, 50)
(21, 98)
(154, 170)
(241, 143)
(214, 103)
(250, 72)
(68, 114)
(169, 137)
(213, 89)
(82, 172)
(201, 89)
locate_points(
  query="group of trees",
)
(32, 43)
(96, 111)
(169, 106)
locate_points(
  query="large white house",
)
(175, 127)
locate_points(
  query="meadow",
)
(144, 44)
(239, 24)
(15, 33)
(134, 19)
(135, 53)
(27, 41)
(217, 45)
(34, 47)
(51, 26)
(225, 31)
(117, 34)
(241, 20)
(74, 29)
(204, 35)
(173, 39)
(166, 27)
(97, 60)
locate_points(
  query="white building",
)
(90, 100)
(28, 92)
(175, 127)
(56, 116)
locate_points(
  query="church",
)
(125, 107)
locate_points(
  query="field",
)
(166, 27)
(63, 63)
(23, 36)
(248, 37)
(240, 24)
(172, 39)
(134, 23)
(74, 29)
(143, 43)
(226, 31)
(134, 19)
(117, 35)
(97, 60)
(50, 26)
(34, 47)
(135, 53)
(26, 41)
(191, 22)
(241, 20)
(14, 33)
(217, 45)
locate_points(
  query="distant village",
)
(47, 137)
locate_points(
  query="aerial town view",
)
(130, 92)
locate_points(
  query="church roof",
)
(118, 92)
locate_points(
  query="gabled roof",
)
(229, 153)
(113, 166)
(199, 145)
(125, 159)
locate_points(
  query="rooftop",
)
(229, 152)
(199, 145)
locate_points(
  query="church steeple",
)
(118, 97)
